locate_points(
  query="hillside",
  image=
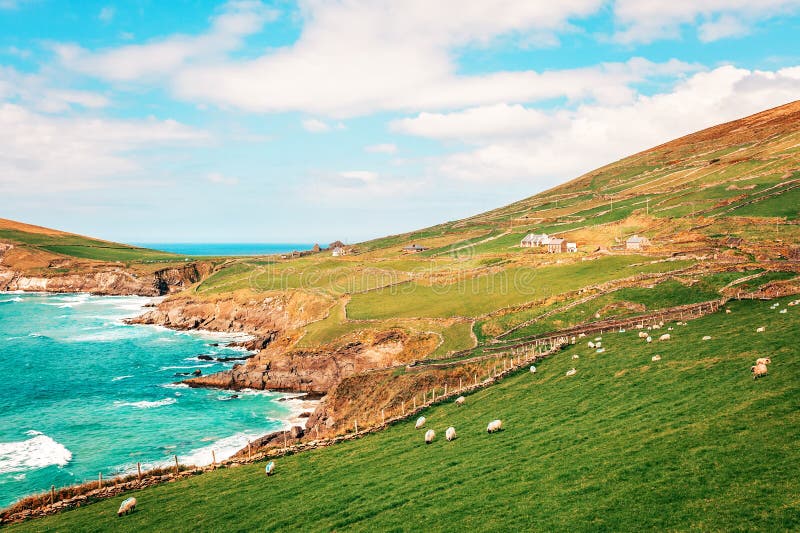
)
(377, 329)
(689, 442)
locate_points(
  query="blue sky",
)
(248, 121)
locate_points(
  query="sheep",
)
(581, 335)
(533, 369)
(758, 371)
(665, 337)
(460, 400)
(763, 361)
(670, 328)
(270, 468)
(420, 422)
(598, 345)
(494, 425)
(656, 358)
(571, 372)
(782, 311)
(707, 338)
(622, 330)
(128, 505)
(649, 339)
(601, 350)
(762, 329)
(429, 436)
(661, 324)
(643, 335)
(727, 311)
(450, 434)
(590, 344)
(576, 356)
(656, 326)
(596, 339)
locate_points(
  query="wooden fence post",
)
(100, 481)
(383, 417)
(404, 407)
(176, 465)
(213, 459)
(459, 384)
(249, 449)
(355, 422)
(52, 494)
(139, 469)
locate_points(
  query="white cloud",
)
(32, 89)
(383, 148)
(563, 144)
(106, 14)
(162, 57)
(352, 186)
(41, 152)
(315, 126)
(644, 21)
(221, 179)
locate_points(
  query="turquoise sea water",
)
(217, 249)
(83, 393)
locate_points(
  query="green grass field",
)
(688, 443)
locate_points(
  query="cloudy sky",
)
(247, 121)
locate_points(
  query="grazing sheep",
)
(601, 350)
(763, 361)
(656, 326)
(581, 335)
(598, 339)
(571, 372)
(759, 371)
(590, 344)
(656, 358)
(762, 329)
(782, 311)
(643, 335)
(665, 337)
(450, 434)
(727, 311)
(533, 369)
(669, 328)
(494, 425)
(270, 468)
(622, 330)
(598, 345)
(576, 356)
(429, 436)
(661, 324)
(707, 338)
(128, 505)
(460, 400)
(420, 422)
(649, 339)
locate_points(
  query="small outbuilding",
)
(414, 249)
(635, 242)
(338, 251)
(572, 247)
(555, 245)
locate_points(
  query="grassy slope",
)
(691, 442)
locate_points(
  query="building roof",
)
(533, 237)
(633, 239)
(553, 240)
(415, 248)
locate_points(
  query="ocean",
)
(225, 249)
(82, 393)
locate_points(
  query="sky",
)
(322, 120)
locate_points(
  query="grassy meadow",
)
(689, 442)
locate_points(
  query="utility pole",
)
(648, 206)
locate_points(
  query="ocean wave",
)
(40, 451)
(120, 378)
(108, 335)
(223, 449)
(186, 367)
(175, 386)
(144, 404)
(11, 300)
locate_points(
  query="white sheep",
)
(727, 311)
(656, 326)
(460, 400)
(601, 350)
(707, 338)
(622, 330)
(590, 344)
(763, 361)
(420, 422)
(665, 337)
(669, 328)
(429, 436)
(450, 434)
(576, 356)
(494, 425)
(782, 311)
(571, 372)
(656, 358)
(533, 369)
(598, 339)
(581, 335)
(643, 335)
(649, 339)
(762, 329)
(270, 468)
(598, 345)
(759, 371)
(128, 505)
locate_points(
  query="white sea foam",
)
(39, 451)
(223, 448)
(120, 378)
(186, 367)
(144, 404)
(107, 335)
(175, 386)
(11, 300)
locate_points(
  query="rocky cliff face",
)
(25, 270)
